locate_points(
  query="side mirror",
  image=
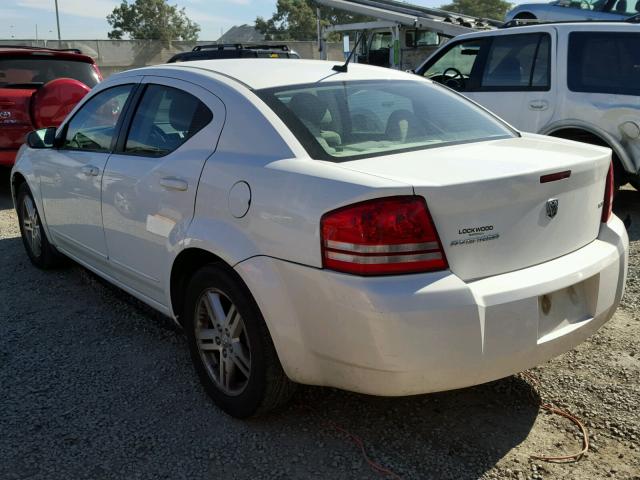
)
(43, 138)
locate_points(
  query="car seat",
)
(507, 73)
(403, 125)
(621, 6)
(315, 115)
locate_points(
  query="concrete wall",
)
(117, 55)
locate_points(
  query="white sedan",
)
(367, 230)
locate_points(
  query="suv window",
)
(517, 62)
(165, 118)
(624, 7)
(455, 66)
(33, 69)
(604, 62)
(93, 127)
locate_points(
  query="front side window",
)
(604, 62)
(165, 119)
(517, 62)
(455, 67)
(349, 120)
(93, 127)
(381, 40)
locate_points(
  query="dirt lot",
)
(95, 385)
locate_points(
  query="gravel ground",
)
(95, 385)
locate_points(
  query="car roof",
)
(576, 25)
(22, 51)
(259, 73)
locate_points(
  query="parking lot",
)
(96, 385)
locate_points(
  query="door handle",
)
(538, 105)
(172, 183)
(90, 171)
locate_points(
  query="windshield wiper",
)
(23, 85)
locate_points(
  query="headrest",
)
(181, 111)
(308, 107)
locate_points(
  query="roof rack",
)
(29, 47)
(522, 22)
(238, 46)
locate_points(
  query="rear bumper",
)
(8, 157)
(413, 334)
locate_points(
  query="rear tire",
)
(230, 345)
(41, 253)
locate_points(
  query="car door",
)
(149, 184)
(509, 74)
(71, 174)
(515, 80)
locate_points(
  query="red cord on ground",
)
(373, 465)
(535, 383)
(376, 467)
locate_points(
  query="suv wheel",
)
(41, 253)
(230, 345)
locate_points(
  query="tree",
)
(494, 9)
(296, 20)
(153, 20)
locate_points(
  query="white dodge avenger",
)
(367, 230)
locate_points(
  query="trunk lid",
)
(15, 118)
(489, 205)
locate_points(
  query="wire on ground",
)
(549, 407)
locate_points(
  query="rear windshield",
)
(32, 69)
(604, 62)
(349, 120)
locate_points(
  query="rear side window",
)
(604, 62)
(517, 62)
(33, 69)
(165, 119)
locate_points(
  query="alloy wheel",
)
(31, 225)
(223, 342)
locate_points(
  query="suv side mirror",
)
(43, 138)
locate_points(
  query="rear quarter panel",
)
(289, 191)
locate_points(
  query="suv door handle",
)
(538, 105)
(173, 183)
(90, 171)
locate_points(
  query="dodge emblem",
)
(552, 207)
(5, 114)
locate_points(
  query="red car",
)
(38, 87)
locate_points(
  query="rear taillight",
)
(385, 236)
(96, 70)
(607, 204)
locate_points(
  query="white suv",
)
(526, 76)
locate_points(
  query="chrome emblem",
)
(552, 207)
(5, 114)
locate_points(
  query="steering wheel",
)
(158, 136)
(456, 81)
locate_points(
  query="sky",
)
(85, 19)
